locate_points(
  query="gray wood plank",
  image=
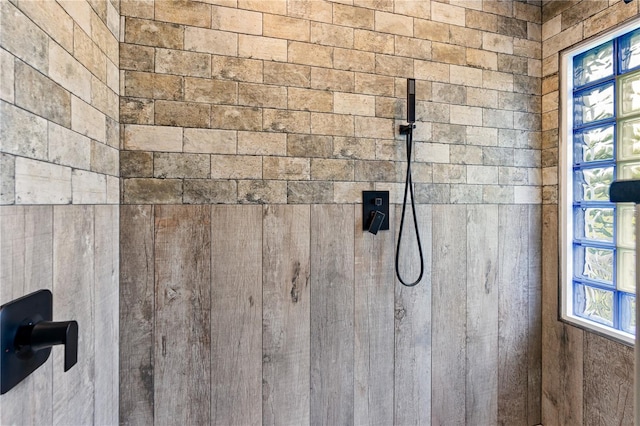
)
(535, 316)
(412, 322)
(137, 313)
(106, 314)
(286, 309)
(482, 315)
(182, 326)
(513, 315)
(236, 315)
(73, 297)
(562, 345)
(26, 265)
(608, 382)
(332, 314)
(373, 324)
(449, 315)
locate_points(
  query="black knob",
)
(45, 334)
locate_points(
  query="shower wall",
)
(249, 292)
(586, 379)
(59, 195)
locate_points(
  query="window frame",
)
(566, 181)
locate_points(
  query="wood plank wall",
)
(291, 314)
(72, 251)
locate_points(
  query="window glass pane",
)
(593, 65)
(629, 51)
(593, 184)
(595, 144)
(628, 313)
(626, 279)
(593, 105)
(596, 223)
(630, 96)
(594, 304)
(629, 139)
(594, 263)
(626, 230)
(629, 171)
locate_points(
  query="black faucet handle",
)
(45, 334)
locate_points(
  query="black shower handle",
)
(45, 334)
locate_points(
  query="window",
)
(600, 135)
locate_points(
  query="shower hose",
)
(408, 190)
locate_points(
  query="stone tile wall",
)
(59, 102)
(299, 101)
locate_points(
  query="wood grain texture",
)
(182, 326)
(534, 350)
(373, 324)
(482, 315)
(513, 315)
(562, 345)
(332, 314)
(106, 332)
(285, 318)
(412, 323)
(137, 313)
(608, 382)
(236, 315)
(449, 315)
(26, 265)
(73, 298)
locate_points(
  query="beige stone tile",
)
(262, 95)
(184, 114)
(309, 100)
(113, 18)
(262, 191)
(413, 47)
(286, 168)
(332, 124)
(137, 58)
(534, 68)
(87, 120)
(236, 117)
(482, 136)
(412, 8)
(375, 171)
(429, 30)
(373, 41)
(551, 27)
(68, 148)
(42, 96)
(20, 36)
(609, 18)
(448, 14)
(183, 12)
(104, 159)
(106, 41)
(171, 165)
(497, 118)
(100, 8)
(80, 12)
(285, 27)
(310, 54)
(278, 7)
(113, 190)
(136, 111)
(152, 191)
(236, 167)
(88, 187)
(355, 17)
(331, 35)
(497, 43)
(349, 103)
(467, 37)
(269, 49)
(463, 154)
(497, 80)
(356, 148)
(7, 179)
(239, 69)
(527, 48)
(287, 74)
(212, 91)
(482, 59)
(482, 97)
(38, 182)
(205, 191)
(389, 108)
(374, 127)
(23, 133)
(562, 40)
(211, 141)
(236, 20)
(183, 63)
(137, 164)
(449, 173)
(211, 41)
(431, 71)
(482, 175)
(154, 33)
(152, 138)
(262, 143)
(329, 169)
(471, 116)
(311, 9)
(335, 80)
(527, 195)
(496, 194)
(432, 152)
(393, 23)
(286, 121)
(372, 84)
(512, 64)
(305, 145)
(447, 53)
(394, 66)
(53, 19)
(309, 192)
(88, 54)
(350, 192)
(153, 86)
(136, 8)
(7, 72)
(113, 133)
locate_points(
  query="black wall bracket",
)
(375, 211)
(27, 335)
